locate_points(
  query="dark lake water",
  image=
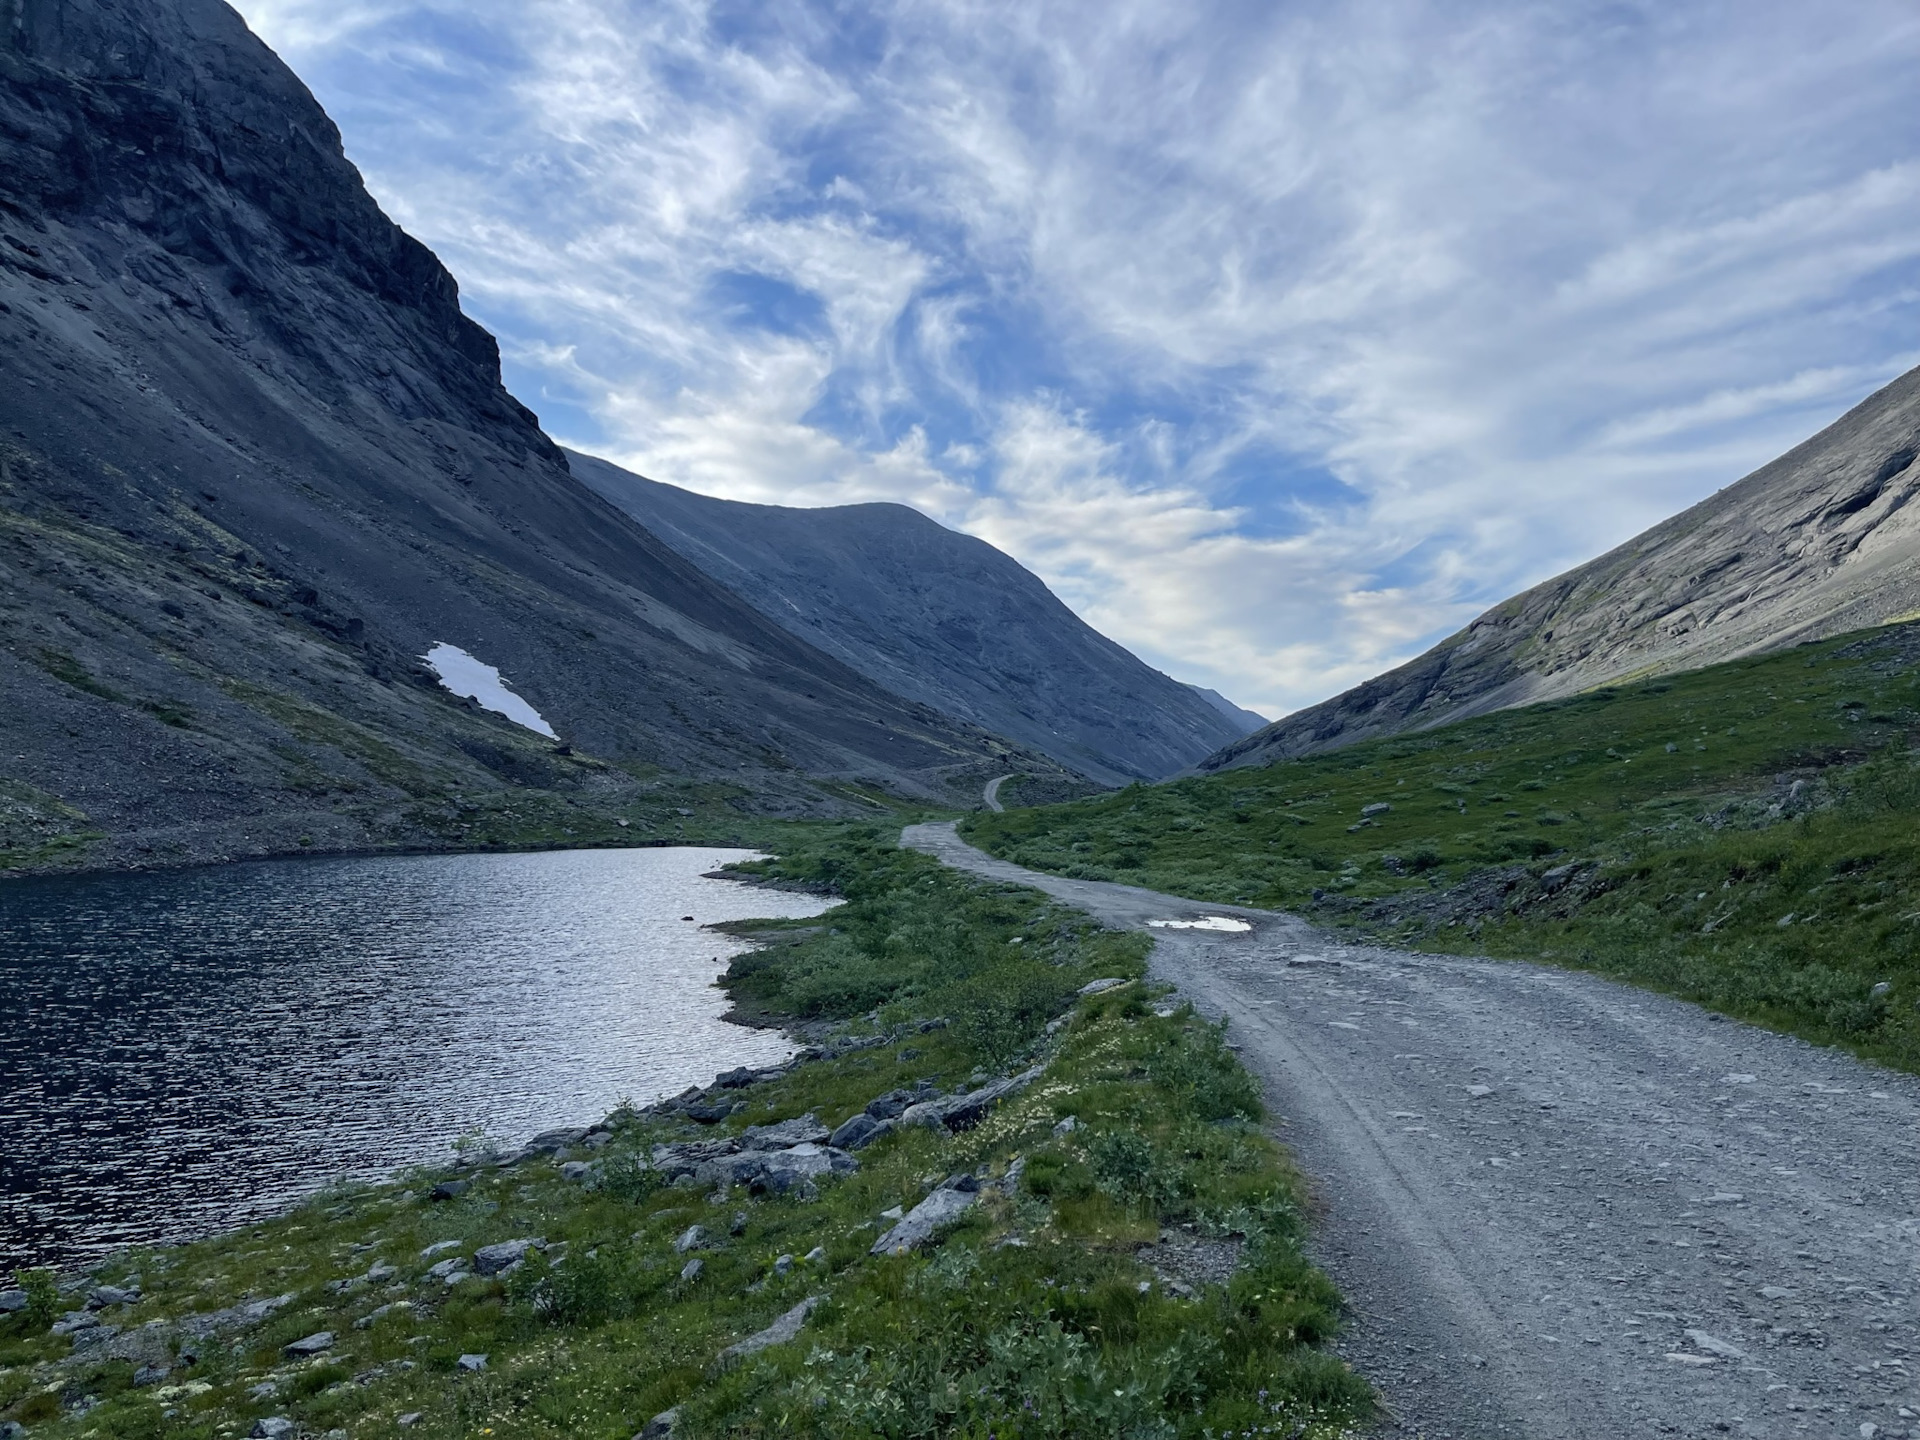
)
(182, 1051)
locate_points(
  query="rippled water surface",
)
(181, 1051)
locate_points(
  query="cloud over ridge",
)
(1277, 339)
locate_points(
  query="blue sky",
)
(1279, 338)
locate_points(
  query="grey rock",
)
(691, 1270)
(439, 1247)
(694, 1237)
(1067, 1126)
(816, 1255)
(471, 1364)
(892, 1105)
(926, 1220)
(104, 1295)
(739, 1225)
(440, 1269)
(309, 1345)
(1102, 985)
(150, 1375)
(806, 1130)
(497, 1258)
(449, 1189)
(265, 1390)
(410, 1419)
(803, 1164)
(859, 1131)
(75, 1320)
(1883, 989)
(273, 1427)
(778, 1333)
(660, 1426)
(962, 1112)
(381, 1272)
(1378, 808)
(12, 1430)
(12, 1302)
(548, 1141)
(375, 1316)
(783, 1264)
(580, 1172)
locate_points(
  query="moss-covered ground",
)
(1068, 1303)
(1744, 836)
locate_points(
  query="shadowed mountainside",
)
(254, 461)
(940, 617)
(1816, 544)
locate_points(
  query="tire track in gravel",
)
(1562, 1208)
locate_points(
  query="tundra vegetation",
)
(1130, 1264)
(1742, 836)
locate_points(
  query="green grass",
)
(1699, 870)
(1037, 1316)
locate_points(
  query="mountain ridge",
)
(941, 617)
(1816, 543)
(255, 461)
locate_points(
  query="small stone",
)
(1777, 1292)
(893, 1213)
(1738, 1079)
(578, 1171)
(891, 1105)
(1067, 1126)
(265, 1390)
(1879, 992)
(12, 1430)
(1714, 1345)
(1377, 808)
(1102, 985)
(1680, 1357)
(1479, 1092)
(660, 1426)
(449, 1189)
(1726, 1197)
(1868, 1430)
(782, 1265)
(410, 1419)
(692, 1238)
(778, 1333)
(381, 1272)
(317, 1343)
(12, 1302)
(816, 1255)
(439, 1247)
(859, 1131)
(273, 1427)
(104, 1295)
(500, 1258)
(440, 1269)
(691, 1270)
(924, 1221)
(739, 1225)
(149, 1375)
(470, 1364)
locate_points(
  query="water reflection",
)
(180, 1051)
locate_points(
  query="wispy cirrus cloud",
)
(1277, 339)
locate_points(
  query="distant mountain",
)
(1247, 720)
(254, 462)
(1818, 543)
(939, 617)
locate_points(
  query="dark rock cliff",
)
(254, 461)
(941, 617)
(1820, 542)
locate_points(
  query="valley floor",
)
(1561, 1207)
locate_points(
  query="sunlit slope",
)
(1744, 835)
(1819, 543)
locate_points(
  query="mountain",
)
(1816, 544)
(937, 616)
(255, 462)
(1246, 721)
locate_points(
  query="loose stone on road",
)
(1562, 1208)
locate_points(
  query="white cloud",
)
(1277, 339)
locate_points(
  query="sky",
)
(1278, 338)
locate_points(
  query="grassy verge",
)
(1743, 836)
(1135, 1273)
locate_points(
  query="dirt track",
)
(1560, 1207)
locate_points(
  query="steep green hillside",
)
(1742, 835)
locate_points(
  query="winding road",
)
(992, 794)
(1560, 1207)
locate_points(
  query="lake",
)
(182, 1051)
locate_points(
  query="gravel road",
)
(992, 793)
(1560, 1207)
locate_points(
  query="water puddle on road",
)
(1220, 924)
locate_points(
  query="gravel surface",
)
(1561, 1207)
